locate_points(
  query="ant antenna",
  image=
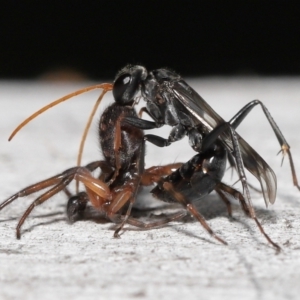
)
(86, 130)
(105, 86)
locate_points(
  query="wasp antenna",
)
(105, 86)
(86, 130)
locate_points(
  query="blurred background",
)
(72, 40)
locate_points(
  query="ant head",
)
(127, 83)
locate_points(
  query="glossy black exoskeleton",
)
(171, 101)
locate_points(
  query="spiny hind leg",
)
(168, 187)
(236, 194)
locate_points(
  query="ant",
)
(122, 171)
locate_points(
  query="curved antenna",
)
(86, 130)
(105, 86)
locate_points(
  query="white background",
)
(83, 261)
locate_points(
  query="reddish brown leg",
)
(236, 194)
(191, 209)
(119, 201)
(96, 189)
(154, 174)
(168, 219)
(125, 195)
(39, 201)
(149, 177)
(32, 189)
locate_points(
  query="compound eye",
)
(127, 84)
(120, 89)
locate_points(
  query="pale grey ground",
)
(55, 260)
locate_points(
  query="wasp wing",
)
(205, 115)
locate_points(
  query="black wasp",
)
(171, 101)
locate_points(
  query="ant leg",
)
(237, 195)
(106, 169)
(154, 174)
(192, 209)
(47, 183)
(39, 201)
(96, 190)
(77, 203)
(131, 187)
(285, 148)
(117, 147)
(127, 194)
(33, 189)
(168, 219)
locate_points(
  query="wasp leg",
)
(285, 148)
(191, 209)
(226, 201)
(236, 194)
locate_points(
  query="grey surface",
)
(55, 260)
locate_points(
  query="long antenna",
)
(105, 86)
(86, 129)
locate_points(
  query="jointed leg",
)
(96, 189)
(126, 195)
(154, 174)
(191, 209)
(225, 200)
(236, 194)
(32, 189)
(155, 224)
(285, 148)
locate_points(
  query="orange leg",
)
(154, 174)
(97, 190)
(166, 220)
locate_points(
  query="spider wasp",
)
(171, 101)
